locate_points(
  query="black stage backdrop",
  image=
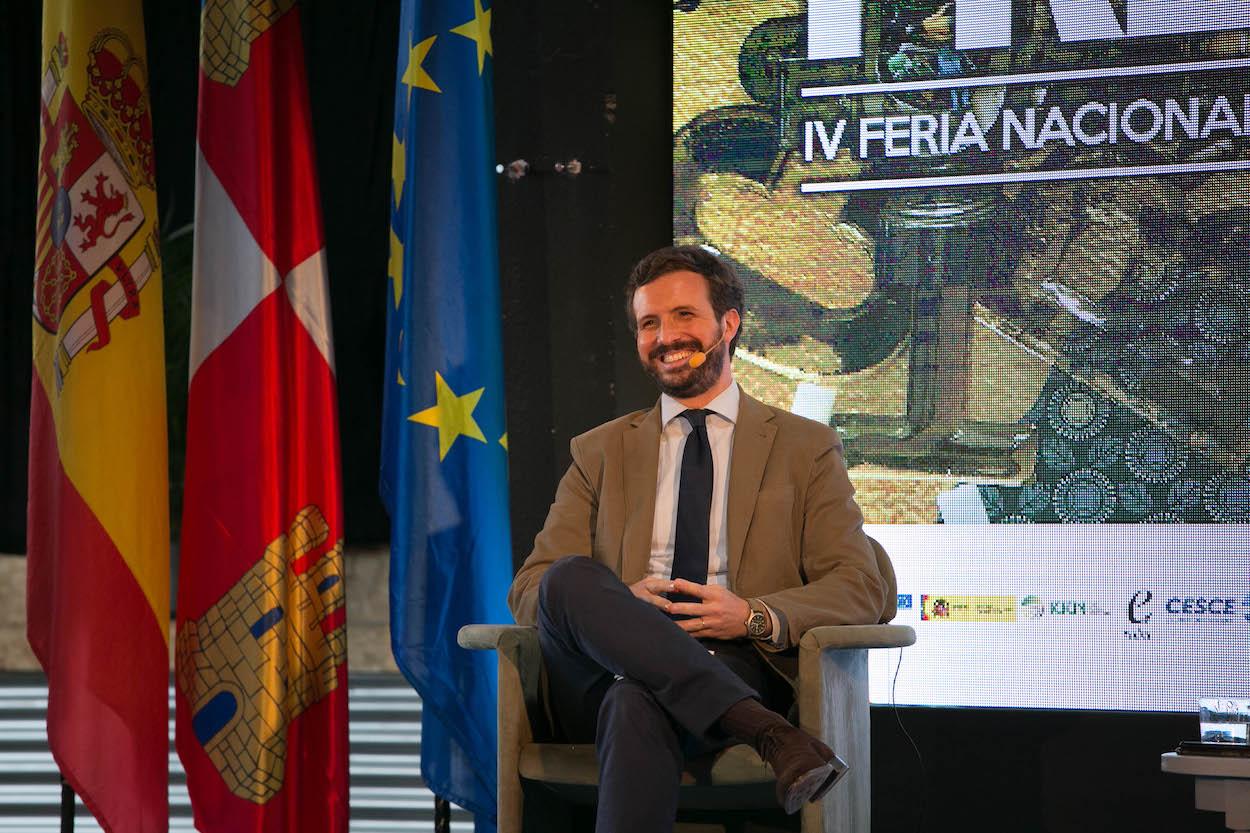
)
(19, 146)
(573, 80)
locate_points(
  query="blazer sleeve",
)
(848, 579)
(569, 530)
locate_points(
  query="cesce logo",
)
(1136, 604)
(1191, 605)
(833, 26)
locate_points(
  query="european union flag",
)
(444, 444)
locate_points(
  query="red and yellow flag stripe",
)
(98, 525)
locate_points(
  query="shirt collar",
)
(725, 406)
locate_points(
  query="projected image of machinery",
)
(1003, 336)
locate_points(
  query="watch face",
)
(757, 625)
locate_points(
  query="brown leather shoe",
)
(805, 768)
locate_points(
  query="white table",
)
(1220, 783)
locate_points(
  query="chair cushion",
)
(735, 777)
(563, 763)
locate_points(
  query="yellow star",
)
(415, 75)
(452, 416)
(399, 374)
(478, 31)
(395, 266)
(397, 168)
(504, 440)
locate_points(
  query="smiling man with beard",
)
(688, 549)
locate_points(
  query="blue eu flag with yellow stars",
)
(444, 475)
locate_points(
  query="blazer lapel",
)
(639, 464)
(753, 439)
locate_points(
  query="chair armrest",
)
(857, 636)
(520, 665)
(488, 637)
(520, 707)
(833, 706)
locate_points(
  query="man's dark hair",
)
(723, 287)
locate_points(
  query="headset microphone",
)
(700, 356)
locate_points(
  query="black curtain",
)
(573, 81)
(19, 146)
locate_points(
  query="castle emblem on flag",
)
(229, 28)
(263, 653)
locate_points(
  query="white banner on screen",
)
(1119, 617)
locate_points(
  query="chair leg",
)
(842, 722)
(514, 732)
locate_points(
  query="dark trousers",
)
(623, 673)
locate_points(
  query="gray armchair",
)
(833, 705)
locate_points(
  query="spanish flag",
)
(261, 667)
(98, 524)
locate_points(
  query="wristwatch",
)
(759, 623)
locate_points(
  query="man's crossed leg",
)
(623, 673)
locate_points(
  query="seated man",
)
(688, 549)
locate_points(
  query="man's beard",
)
(690, 381)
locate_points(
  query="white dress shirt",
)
(721, 420)
(722, 415)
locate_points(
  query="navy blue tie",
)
(694, 506)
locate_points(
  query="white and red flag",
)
(261, 669)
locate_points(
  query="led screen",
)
(1001, 246)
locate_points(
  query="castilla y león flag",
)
(261, 667)
(98, 522)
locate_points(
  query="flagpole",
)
(442, 815)
(67, 806)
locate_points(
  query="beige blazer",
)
(795, 533)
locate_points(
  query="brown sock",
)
(747, 720)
